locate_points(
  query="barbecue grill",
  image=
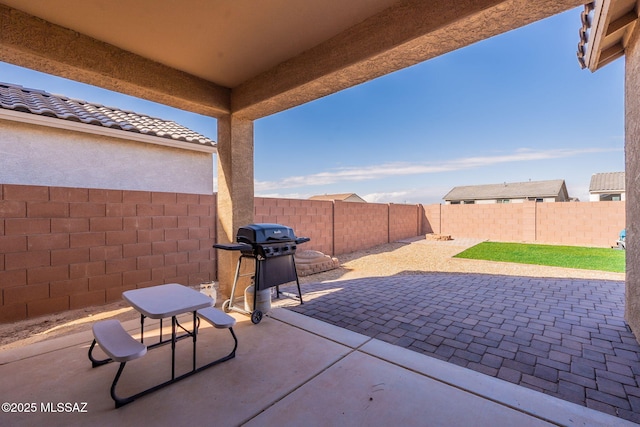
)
(272, 247)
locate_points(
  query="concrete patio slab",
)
(289, 370)
(374, 392)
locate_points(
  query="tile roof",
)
(513, 190)
(608, 181)
(38, 102)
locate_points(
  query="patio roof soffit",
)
(606, 28)
(36, 44)
(398, 35)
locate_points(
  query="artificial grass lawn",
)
(602, 259)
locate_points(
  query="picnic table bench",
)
(158, 302)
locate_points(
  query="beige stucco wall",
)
(37, 155)
(632, 169)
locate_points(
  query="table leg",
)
(142, 328)
(173, 347)
(195, 333)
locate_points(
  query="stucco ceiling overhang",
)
(606, 28)
(249, 58)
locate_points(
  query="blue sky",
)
(513, 108)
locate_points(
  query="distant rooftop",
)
(344, 197)
(606, 182)
(41, 103)
(512, 190)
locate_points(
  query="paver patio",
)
(563, 337)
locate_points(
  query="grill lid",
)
(264, 241)
(265, 233)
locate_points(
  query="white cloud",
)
(431, 194)
(391, 197)
(372, 172)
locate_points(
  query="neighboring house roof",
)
(345, 197)
(40, 103)
(513, 190)
(606, 182)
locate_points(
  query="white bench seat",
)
(116, 342)
(122, 347)
(216, 318)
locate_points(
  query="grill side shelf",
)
(234, 247)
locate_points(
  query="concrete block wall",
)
(404, 221)
(432, 219)
(67, 248)
(359, 226)
(529, 220)
(589, 224)
(341, 227)
(308, 218)
(501, 222)
(583, 224)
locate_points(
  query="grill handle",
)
(278, 239)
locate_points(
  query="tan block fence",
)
(341, 227)
(68, 248)
(580, 223)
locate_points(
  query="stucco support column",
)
(235, 190)
(632, 184)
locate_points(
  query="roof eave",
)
(608, 36)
